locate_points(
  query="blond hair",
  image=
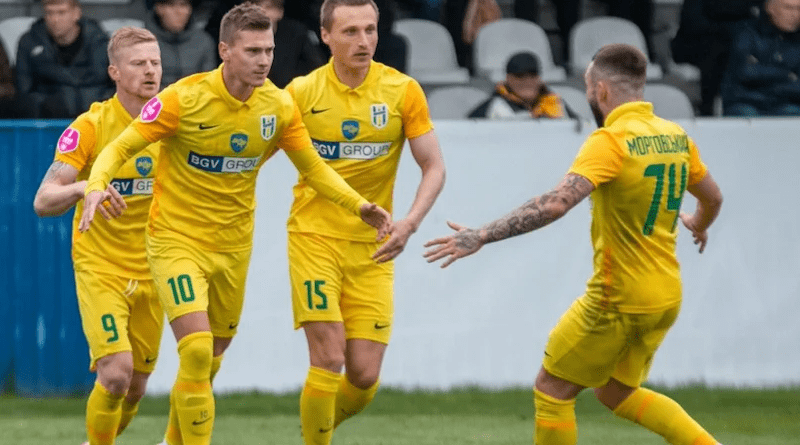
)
(243, 17)
(328, 6)
(125, 37)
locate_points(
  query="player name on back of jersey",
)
(351, 150)
(222, 164)
(141, 186)
(662, 143)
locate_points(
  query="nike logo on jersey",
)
(382, 325)
(207, 127)
(321, 110)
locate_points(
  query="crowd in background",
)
(748, 51)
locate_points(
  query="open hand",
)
(109, 203)
(377, 217)
(463, 243)
(400, 232)
(700, 238)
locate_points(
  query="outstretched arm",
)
(534, 214)
(426, 152)
(709, 202)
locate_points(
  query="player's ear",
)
(113, 72)
(223, 49)
(325, 35)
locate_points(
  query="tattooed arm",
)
(58, 190)
(534, 214)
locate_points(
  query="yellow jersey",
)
(115, 246)
(212, 147)
(640, 165)
(360, 132)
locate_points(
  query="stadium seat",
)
(589, 35)
(575, 99)
(455, 102)
(498, 41)
(668, 101)
(431, 53)
(11, 30)
(111, 25)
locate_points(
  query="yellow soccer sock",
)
(191, 395)
(555, 421)
(173, 434)
(128, 412)
(102, 415)
(216, 363)
(664, 416)
(350, 400)
(317, 405)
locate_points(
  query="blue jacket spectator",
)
(184, 49)
(762, 74)
(62, 64)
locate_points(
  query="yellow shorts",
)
(119, 314)
(589, 344)
(190, 279)
(336, 280)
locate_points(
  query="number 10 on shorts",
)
(182, 285)
(316, 286)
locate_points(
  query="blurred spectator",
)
(423, 9)
(392, 48)
(185, 50)
(567, 15)
(478, 14)
(297, 50)
(762, 74)
(523, 95)
(464, 29)
(8, 108)
(62, 65)
(704, 38)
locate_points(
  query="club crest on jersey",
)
(380, 115)
(238, 142)
(151, 110)
(268, 124)
(144, 165)
(69, 140)
(350, 129)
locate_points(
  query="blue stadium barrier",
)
(42, 348)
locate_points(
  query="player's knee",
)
(116, 380)
(137, 388)
(331, 360)
(196, 353)
(363, 378)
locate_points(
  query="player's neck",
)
(352, 77)
(132, 104)
(236, 87)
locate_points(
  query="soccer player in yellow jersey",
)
(216, 131)
(119, 307)
(636, 167)
(359, 114)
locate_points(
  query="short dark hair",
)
(244, 17)
(623, 65)
(328, 6)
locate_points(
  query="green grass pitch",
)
(463, 416)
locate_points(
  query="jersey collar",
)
(122, 114)
(372, 74)
(628, 108)
(218, 84)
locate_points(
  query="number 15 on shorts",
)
(314, 293)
